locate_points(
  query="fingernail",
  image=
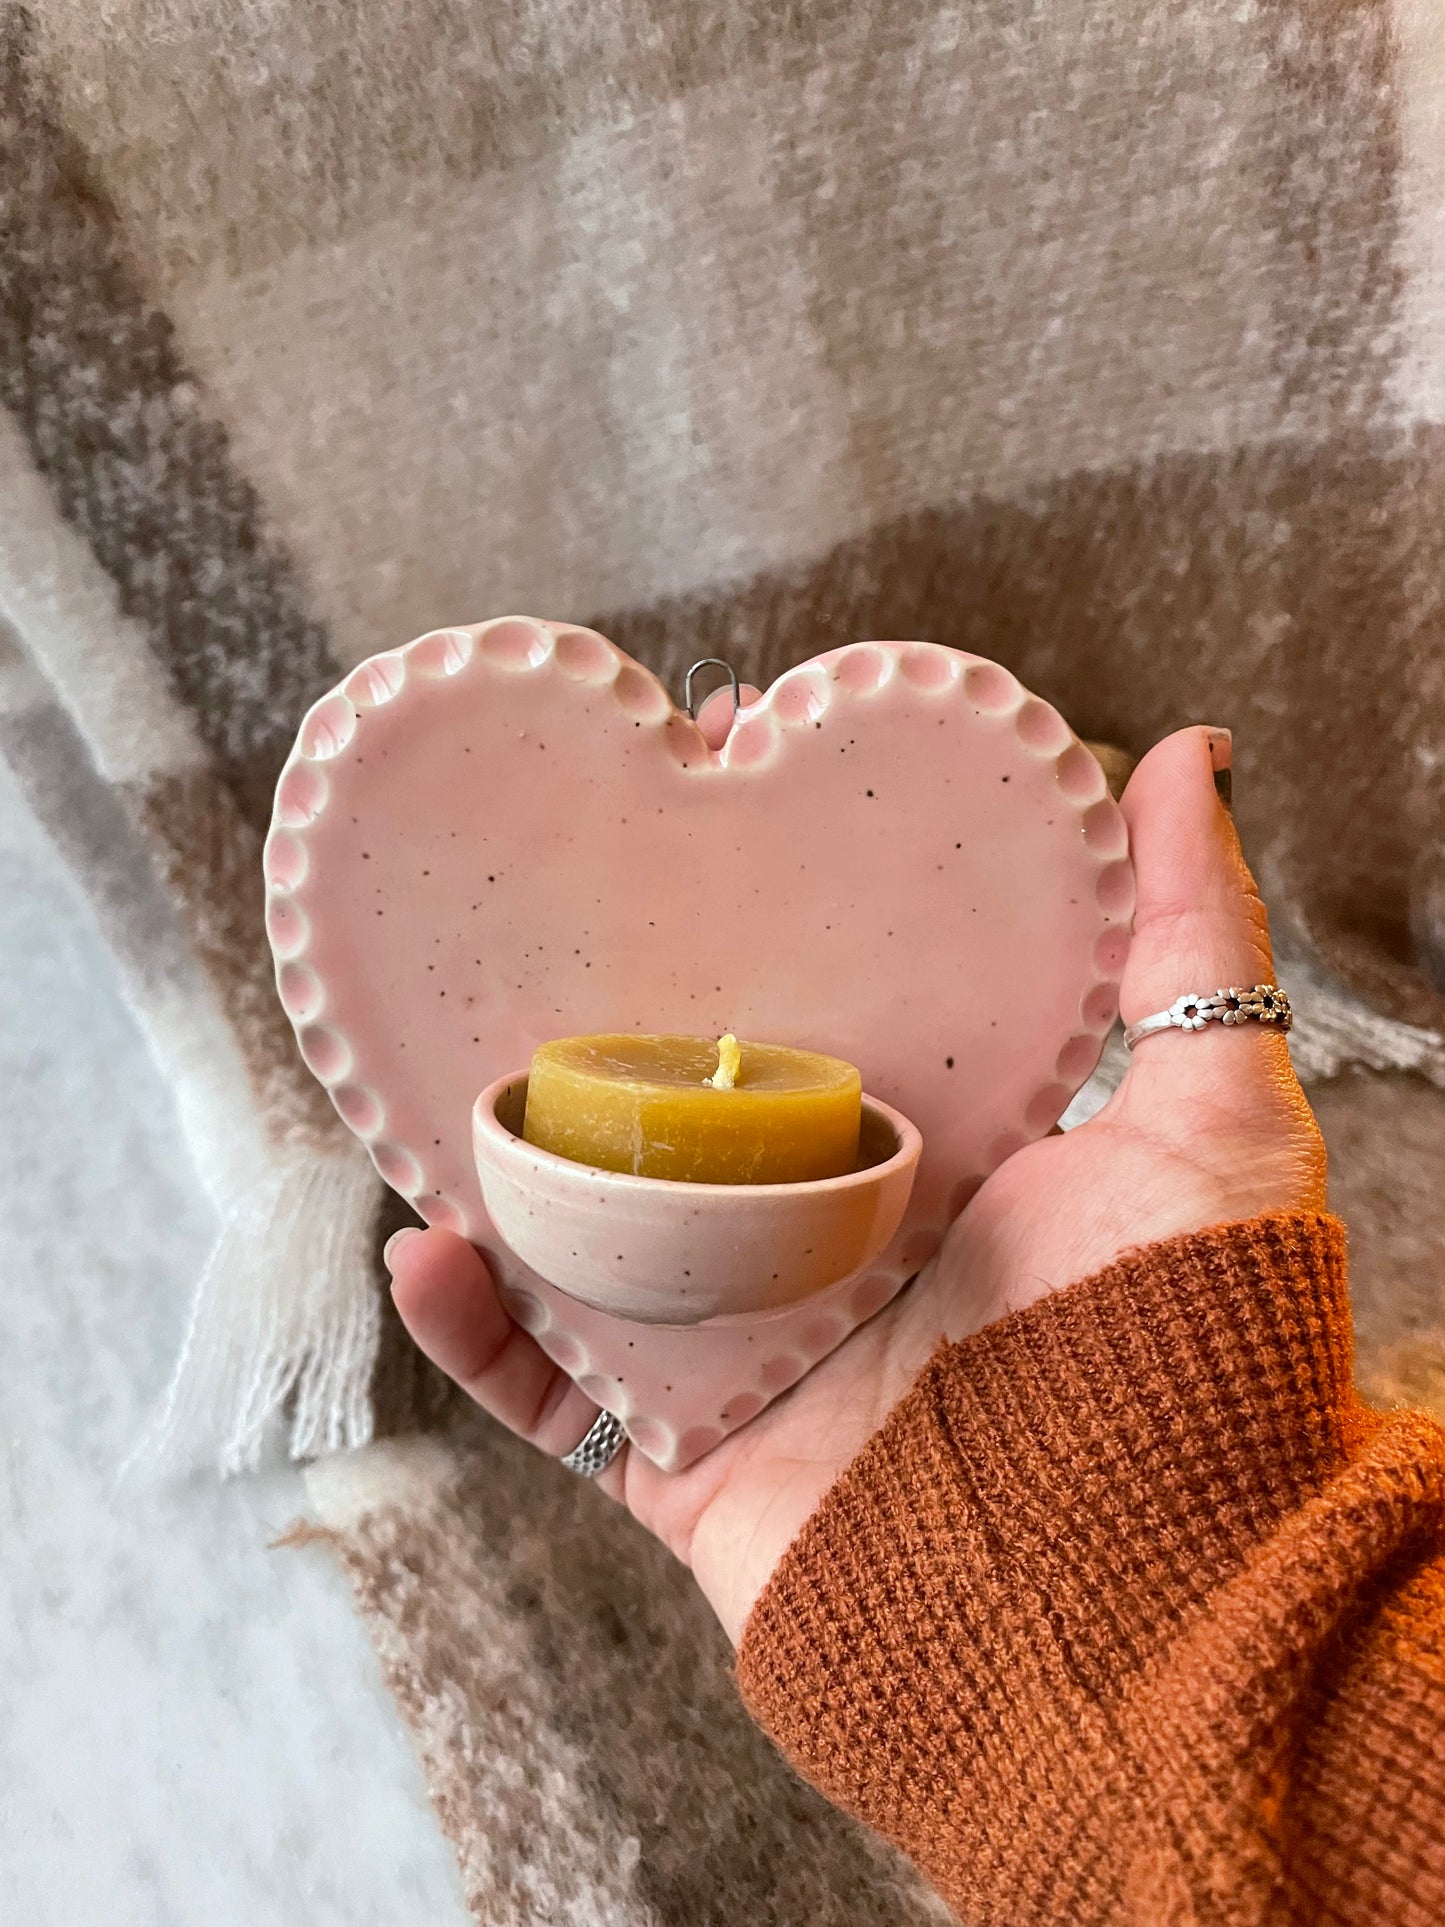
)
(1221, 758)
(388, 1250)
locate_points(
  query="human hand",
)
(1206, 1127)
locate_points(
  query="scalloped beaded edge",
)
(509, 645)
(809, 1333)
(800, 697)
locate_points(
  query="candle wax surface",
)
(644, 1105)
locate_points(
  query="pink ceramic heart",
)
(504, 834)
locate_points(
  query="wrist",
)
(1056, 1491)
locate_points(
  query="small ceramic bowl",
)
(663, 1253)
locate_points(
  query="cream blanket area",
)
(1105, 340)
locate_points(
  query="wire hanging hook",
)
(689, 702)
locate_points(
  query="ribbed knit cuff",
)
(1051, 1502)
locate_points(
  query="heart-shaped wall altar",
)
(503, 834)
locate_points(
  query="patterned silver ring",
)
(1260, 1004)
(604, 1439)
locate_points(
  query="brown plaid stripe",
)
(1101, 341)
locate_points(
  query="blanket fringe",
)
(285, 1319)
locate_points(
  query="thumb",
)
(1224, 1098)
(1199, 924)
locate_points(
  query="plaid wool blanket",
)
(1108, 341)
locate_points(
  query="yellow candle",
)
(693, 1110)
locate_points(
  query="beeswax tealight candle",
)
(693, 1110)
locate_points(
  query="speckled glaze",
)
(507, 833)
(695, 1303)
(677, 1253)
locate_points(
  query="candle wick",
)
(729, 1062)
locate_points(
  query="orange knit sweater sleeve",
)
(1132, 1613)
